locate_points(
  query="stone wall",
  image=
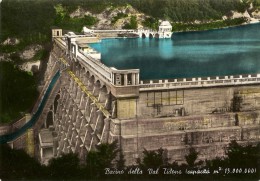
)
(13, 126)
(202, 139)
(204, 118)
(5, 129)
(196, 101)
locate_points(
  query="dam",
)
(222, 52)
(91, 103)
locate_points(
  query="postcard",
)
(129, 90)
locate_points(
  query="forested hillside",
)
(27, 23)
(32, 19)
(189, 11)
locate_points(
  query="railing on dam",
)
(60, 42)
(107, 74)
(200, 82)
(112, 75)
(98, 68)
(139, 31)
(114, 31)
(12, 136)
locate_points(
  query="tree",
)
(120, 163)
(60, 11)
(18, 91)
(249, 156)
(151, 23)
(132, 24)
(102, 158)
(65, 166)
(154, 159)
(16, 164)
(192, 157)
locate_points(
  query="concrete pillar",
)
(87, 136)
(102, 95)
(41, 152)
(74, 113)
(93, 114)
(125, 79)
(133, 79)
(90, 84)
(79, 95)
(82, 101)
(70, 86)
(69, 132)
(137, 79)
(113, 79)
(53, 116)
(74, 91)
(87, 107)
(76, 49)
(28, 117)
(96, 89)
(105, 132)
(91, 142)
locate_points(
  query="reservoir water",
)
(230, 51)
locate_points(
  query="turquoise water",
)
(230, 51)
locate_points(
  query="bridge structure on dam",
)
(89, 103)
(164, 31)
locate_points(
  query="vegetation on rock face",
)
(118, 16)
(18, 91)
(132, 24)
(63, 20)
(151, 23)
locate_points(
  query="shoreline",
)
(251, 22)
(255, 21)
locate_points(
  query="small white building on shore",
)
(165, 30)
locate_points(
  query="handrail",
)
(60, 43)
(99, 70)
(96, 62)
(201, 83)
(12, 136)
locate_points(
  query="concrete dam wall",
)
(93, 104)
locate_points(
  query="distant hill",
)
(31, 20)
(25, 25)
